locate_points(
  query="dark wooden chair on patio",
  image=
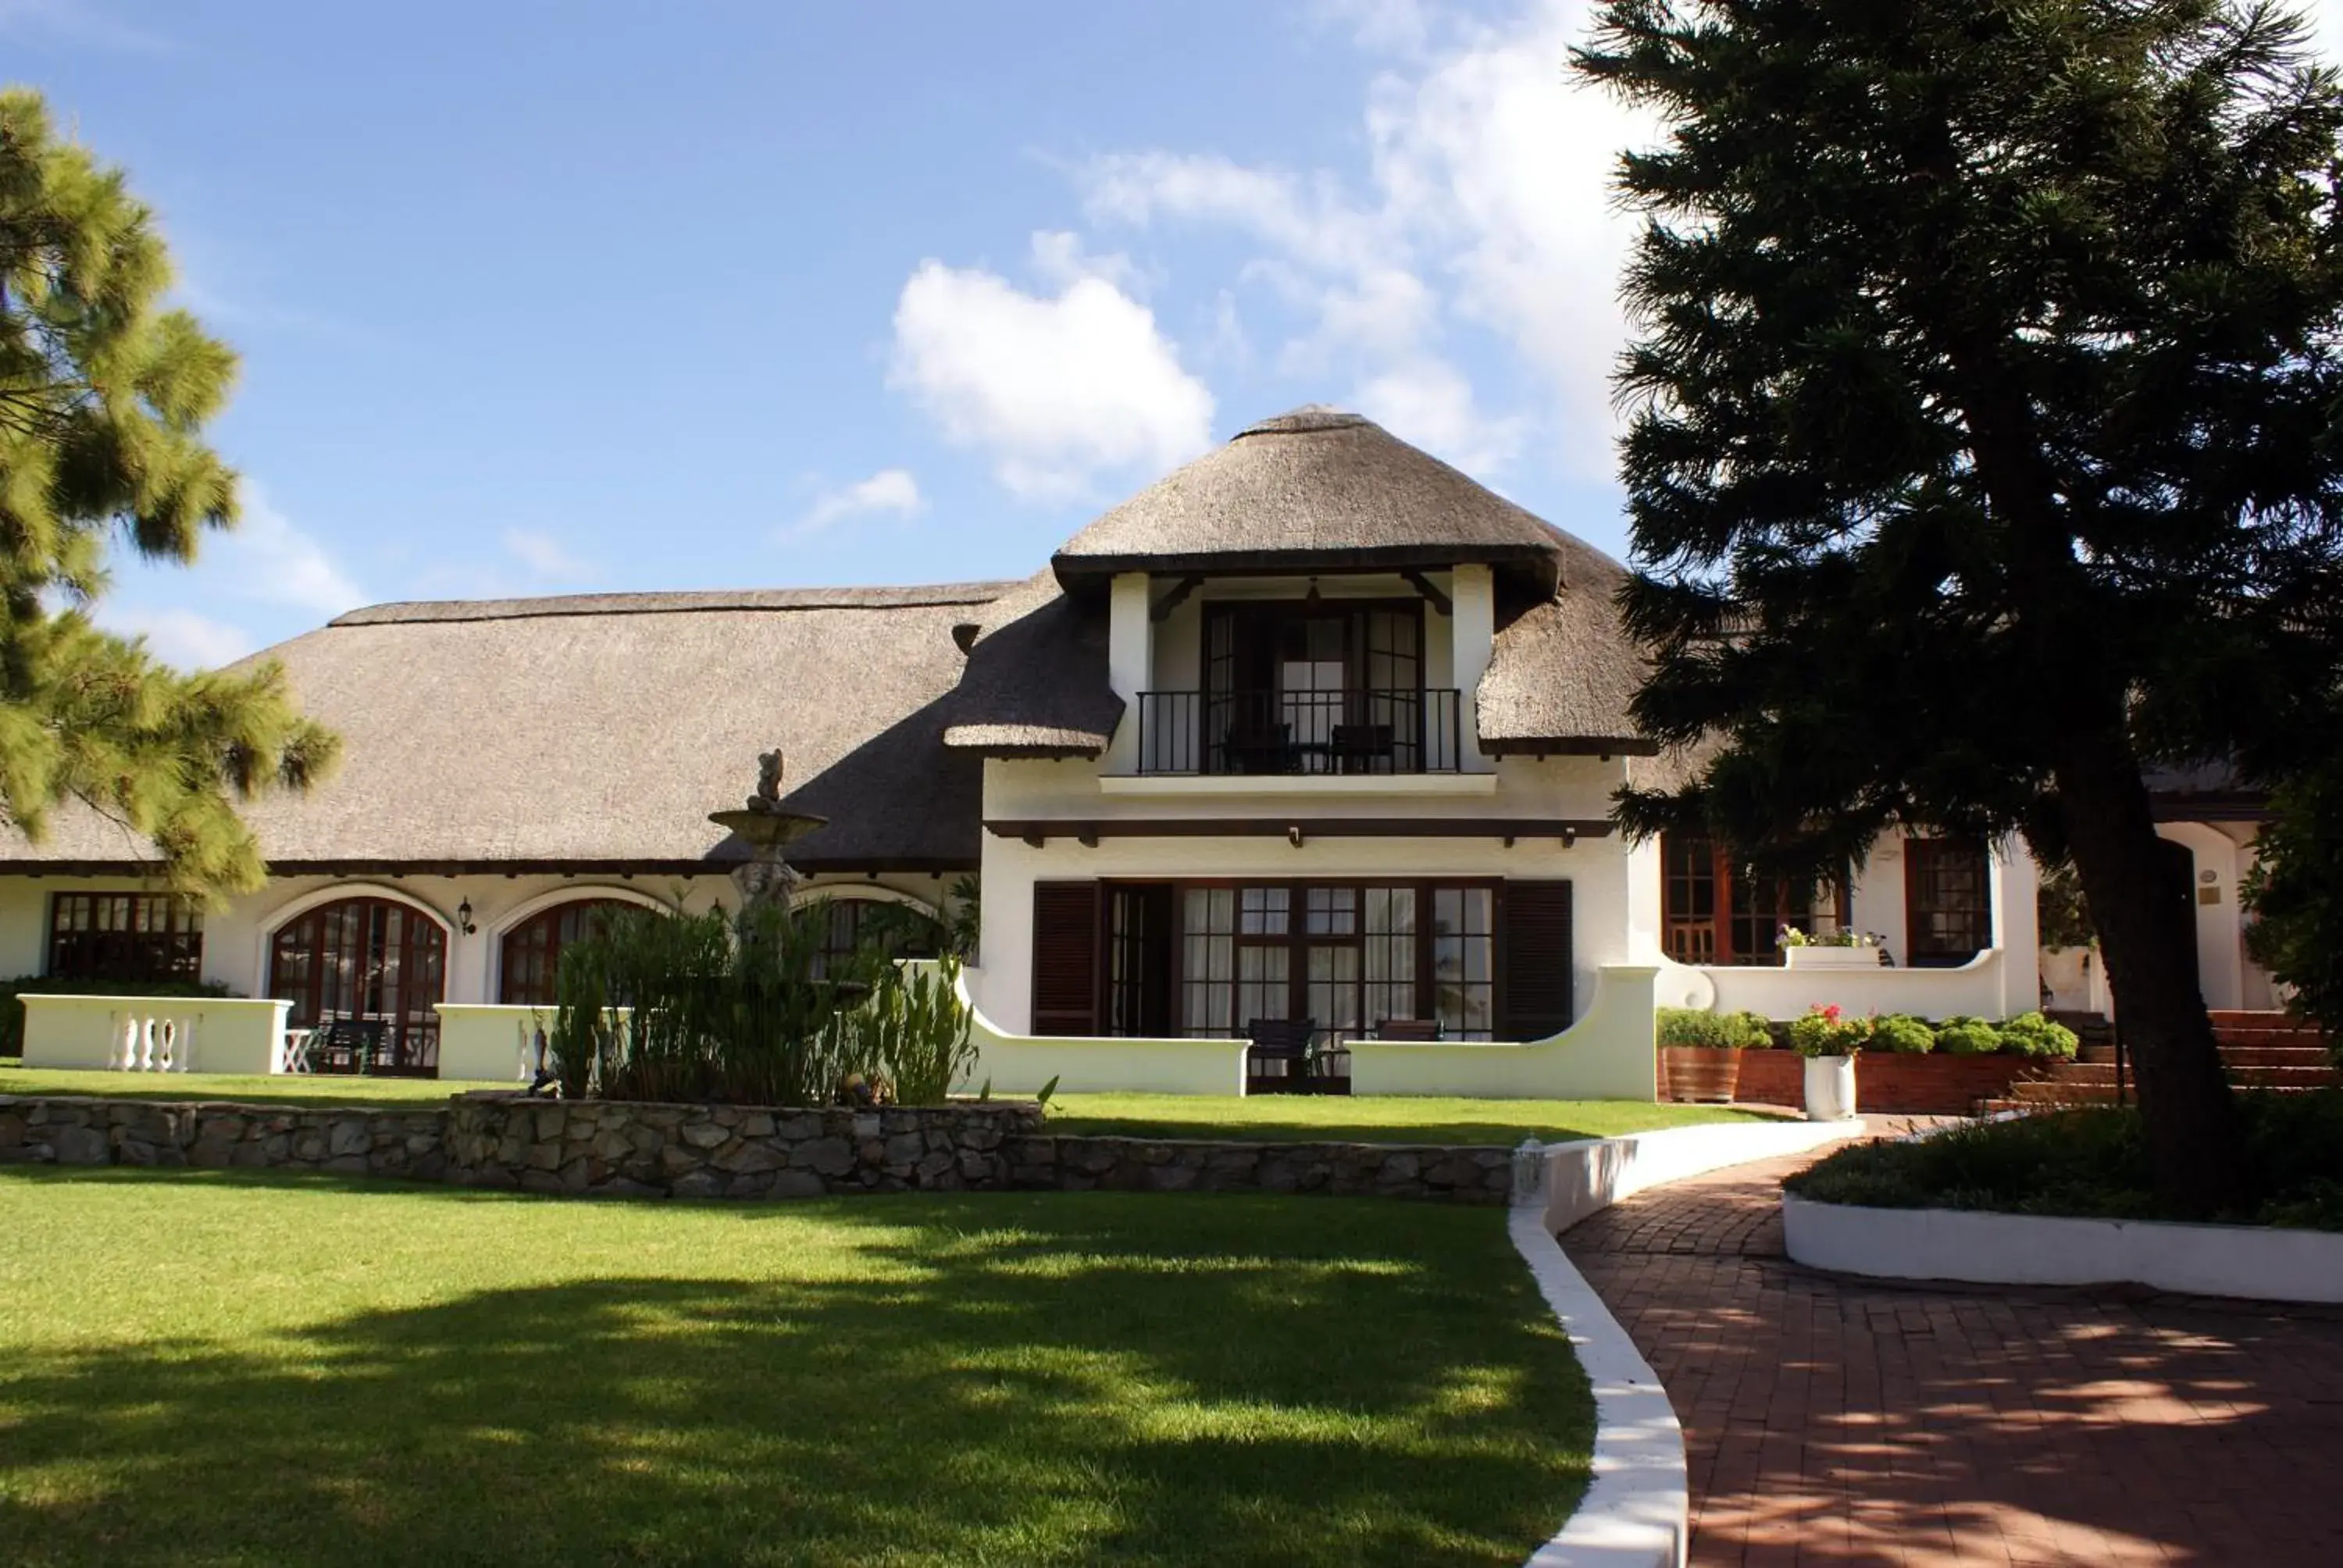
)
(346, 1045)
(1283, 1043)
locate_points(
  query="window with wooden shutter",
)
(1065, 958)
(1537, 980)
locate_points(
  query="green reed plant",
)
(751, 1011)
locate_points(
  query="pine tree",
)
(1985, 441)
(102, 397)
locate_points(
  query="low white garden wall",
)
(489, 1042)
(1607, 1055)
(1979, 988)
(1637, 1512)
(2252, 1261)
(155, 1034)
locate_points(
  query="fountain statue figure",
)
(766, 876)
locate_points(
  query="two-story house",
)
(1315, 730)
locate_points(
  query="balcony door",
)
(1314, 687)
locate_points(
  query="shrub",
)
(1694, 1027)
(1967, 1037)
(1828, 1032)
(1901, 1033)
(2032, 1034)
(2093, 1162)
(11, 1012)
(1751, 1030)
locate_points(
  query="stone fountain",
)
(767, 878)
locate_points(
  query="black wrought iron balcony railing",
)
(1355, 730)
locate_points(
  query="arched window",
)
(909, 934)
(366, 974)
(532, 950)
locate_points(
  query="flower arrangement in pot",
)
(1700, 1051)
(1830, 1040)
(1843, 950)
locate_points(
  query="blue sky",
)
(542, 297)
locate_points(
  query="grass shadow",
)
(989, 1379)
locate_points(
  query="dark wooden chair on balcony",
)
(1417, 1030)
(1283, 1044)
(1258, 748)
(1364, 748)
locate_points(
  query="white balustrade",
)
(155, 1034)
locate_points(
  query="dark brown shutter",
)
(1536, 940)
(1065, 958)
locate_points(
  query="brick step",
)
(2263, 1038)
(2252, 1018)
(2275, 1056)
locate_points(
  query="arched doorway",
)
(529, 958)
(374, 967)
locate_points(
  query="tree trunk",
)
(2149, 942)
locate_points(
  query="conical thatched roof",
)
(1313, 490)
(601, 730)
(1317, 488)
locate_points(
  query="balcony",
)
(1357, 731)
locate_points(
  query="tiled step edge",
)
(1636, 1513)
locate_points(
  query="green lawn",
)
(295, 1089)
(1371, 1118)
(210, 1367)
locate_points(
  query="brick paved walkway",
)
(1835, 1420)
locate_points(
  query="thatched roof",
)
(1564, 669)
(1314, 489)
(601, 730)
(1036, 682)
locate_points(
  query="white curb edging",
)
(1636, 1513)
(2251, 1262)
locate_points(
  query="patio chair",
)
(346, 1045)
(1284, 1042)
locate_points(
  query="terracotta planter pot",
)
(1706, 1074)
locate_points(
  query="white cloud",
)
(1060, 258)
(544, 555)
(267, 558)
(1430, 403)
(1501, 161)
(1486, 203)
(181, 636)
(1057, 389)
(888, 491)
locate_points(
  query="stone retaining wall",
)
(609, 1148)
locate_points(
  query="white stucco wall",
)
(1599, 869)
(2002, 981)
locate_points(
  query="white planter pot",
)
(1830, 1087)
(2067, 972)
(1830, 958)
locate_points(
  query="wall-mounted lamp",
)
(464, 918)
